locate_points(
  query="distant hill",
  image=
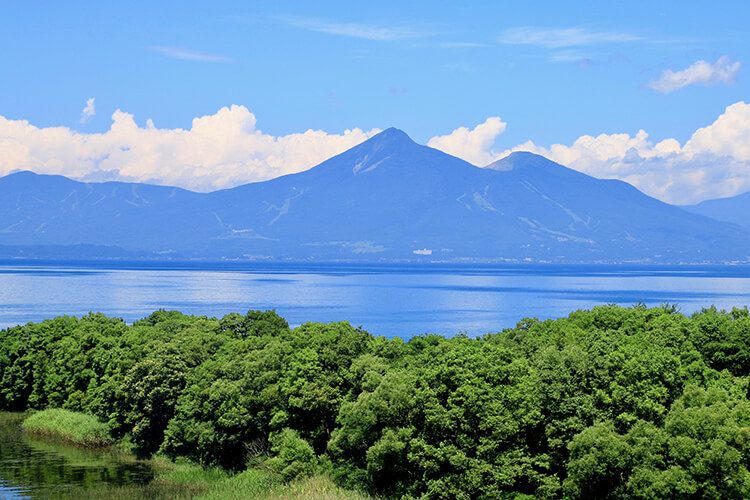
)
(735, 209)
(54, 210)
(387, 199)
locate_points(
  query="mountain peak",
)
(518, 160)
(29, 178)
(391, 136)
(394, 132)
(387, 199)
(23, 174)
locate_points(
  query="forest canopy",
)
(614, 402)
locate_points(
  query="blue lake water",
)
(390, 300)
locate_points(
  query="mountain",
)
(385, 199)
(54, 210)
(735, 209)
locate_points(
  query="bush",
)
(622, 401)
(294, 457)
(73, 427)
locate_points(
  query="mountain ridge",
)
(733, 209)
(386, 199)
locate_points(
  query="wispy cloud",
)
(459, 45)
(698, 73)
(563, 38)
(568, 56)
(360, 30)
(586, 60)
(88, 111)
(188, 55)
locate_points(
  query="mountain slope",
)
(387, 193)
(615, 216)
(385, 199)
(735, 209)
(51, 209)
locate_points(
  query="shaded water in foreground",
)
(32, 468)
(386, 299)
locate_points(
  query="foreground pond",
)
(32, 468)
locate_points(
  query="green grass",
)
(183, 481)
(172, 481)
(257, 484)
(251, 483)
(319, 487)
(69, 426)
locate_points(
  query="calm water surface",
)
(391, 300)
(34, 468)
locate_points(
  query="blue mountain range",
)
(387, 199)
(735, 209)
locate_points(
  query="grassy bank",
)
(256, 484)
(67, 431)
(193, 482)
(72, 427)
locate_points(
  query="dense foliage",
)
(612, 402)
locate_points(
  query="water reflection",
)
(389, 300)
(31, 467)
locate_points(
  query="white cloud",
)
(474, 146)
(698, 73)
(221, 150)
(227, 149)
(713, 163)
(88, 111)
(568, 56)
(459, 45)
(358, 30)
(188, 55)
(563, 38)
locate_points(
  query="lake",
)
(38, 468)
(385, 299)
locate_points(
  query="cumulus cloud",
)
(227, 149)
(474, 146)
(713, 163)
(220, 150)
(88, 111)
(698, 73)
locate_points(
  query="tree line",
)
(609, 403)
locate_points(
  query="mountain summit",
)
(387, 199)
(391, 135)
(524, 160)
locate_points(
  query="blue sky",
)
(550, 71)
